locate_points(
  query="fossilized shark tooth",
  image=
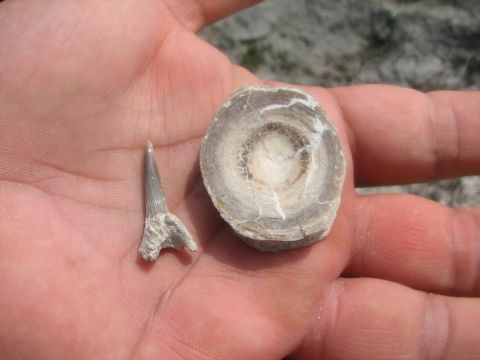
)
(162, 228)
(273, 165)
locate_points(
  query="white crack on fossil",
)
(273, 165)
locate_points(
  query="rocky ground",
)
(429, 44)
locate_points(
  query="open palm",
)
(83, 85)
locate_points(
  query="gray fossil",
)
(162, 228)
(273, 165)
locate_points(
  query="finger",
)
(196, 14)
(402, 135)
(274, 295)
(376, 319)
(417, 242)
(238, 294)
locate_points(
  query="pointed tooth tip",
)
(149, 146)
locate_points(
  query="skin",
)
(84, 84)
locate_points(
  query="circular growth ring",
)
(273, 165)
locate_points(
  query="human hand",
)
(83, 85)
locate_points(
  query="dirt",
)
(426, 45)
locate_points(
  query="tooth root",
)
(162, 229)
(179, 235)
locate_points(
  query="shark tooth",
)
(162, 228)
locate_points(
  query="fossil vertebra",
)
(162, 228)
(273, 165)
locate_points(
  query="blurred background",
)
(423, 44)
